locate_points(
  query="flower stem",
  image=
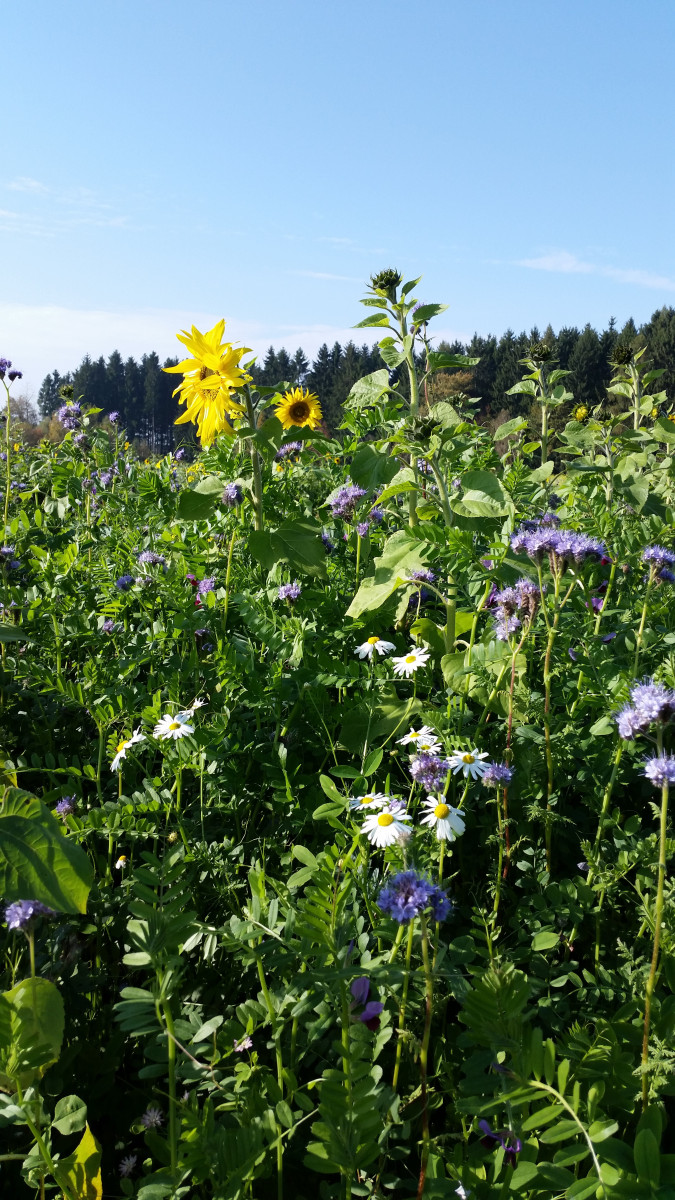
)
(404, 1001)
(227, 577)
(424, 1056)
(658, 919)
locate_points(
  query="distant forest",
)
(142, 393)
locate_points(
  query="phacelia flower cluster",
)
(151, 558)
(410, 894)
(660, 562)
(660, 769)
(564, 547)
(24, 914)
(648, 703)
(288, 449)
(290, 591)
(70, 416)
(497, 775)
(233, 495)
(430, 771)
(515, 605)
(346, 500)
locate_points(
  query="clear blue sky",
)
(166, 162)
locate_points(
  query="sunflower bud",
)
(421, 429)
(540, 352)
(622, 354)
(387, 281)
(66, 391)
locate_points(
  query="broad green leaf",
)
(440, 361)
(299, 544)
(37, 861)
(70, 1115)
(545, 940)
(369, 389)
(200, 501)
(428, 632)
(647, 1158)
(330, 790)
(509, 428)
(260, 545)
(370, 467)
(483, 496)
(524, 1174)
(408, 287)
(664, 429)
(446, 414)
(31, 1031)
(583, 1189)
(601, 1130)
(305, 856)
(80, 1173)
(9, 633)
(426, 311)
(391, 355)
(399, 557)
(526, 387)
(370, 322)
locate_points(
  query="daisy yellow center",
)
(410, 658)
(299, 412)
(385, 819)
(121, 746)
(367, 799)
(176, 725)
(441, 811)
(424, 745)
(414, 735)
(373, 641)
(468, 758)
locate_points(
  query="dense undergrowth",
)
(261, 714)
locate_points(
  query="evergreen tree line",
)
(142, 393)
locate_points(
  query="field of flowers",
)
(335, 773)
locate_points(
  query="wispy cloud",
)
(47, 211)
(562, 262)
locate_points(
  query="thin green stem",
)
(658, 920)
(228, 572)
(280, 1071)
(173, 1125)
(424, 1055)
(404, 1001)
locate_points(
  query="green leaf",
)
(31, 1031)
(330, 790)
(523, 1175)
(664, 430)
(402, 481)
(37, 860)
(367, 391)
(80, 1173)
(647, 1158)
(70, 1115)
(401, 554)
(370, 322)
(260, 545)
(391, 355)
(296, 542)
(408, 287)
(601, 1130)
(370, 468)
(526, 387)
(545, 940)
(305, 856)
(483, 496)
(426, 311)
(9, 633)
(583, 1189)
(372, 762)
(199, 503)
(429, 632)
(509, 428)
(440, 361)
(543, 472)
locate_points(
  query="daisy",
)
(386, 827)
(408, 663)
(189, 712)
(374, 643)
(122, 747)
(469, 763)
(173, 727)
(121, 862)
(423, 741)
(372, 800)
(448, 822)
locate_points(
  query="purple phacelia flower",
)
(23, 914)
(287, 449)
(108, 626)
(377, 515)
(429, 771)
(289, 591)
(206, 585)
(497, 775)
(362, 528)
(65, 807)
(153, 1117)
(180, 454)
(113, 417)
(70, 416)
(423, 575)
(327, 544)
(410, 894)
(344, 503)
(124, 583)
(660, 770)
(232, 495)
(658, 556)
(151, 558)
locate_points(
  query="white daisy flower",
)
(409, 662)
(386, 827)
(121, 862)
(123, 746)
(189, 712)
(448, 821)
(372, 800)
(423, 741)
(173, 727)
(469, 763)
(374, 643)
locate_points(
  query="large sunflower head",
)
(299, 408)
(209, 379)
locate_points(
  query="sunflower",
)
(299, 408)
(209, 378)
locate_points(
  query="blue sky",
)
(167, 163)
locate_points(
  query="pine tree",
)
(49, 397)
(590, 368)
(115, 382)
(659, 334)
(565, 342)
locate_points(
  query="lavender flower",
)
(370, 1014)
(12, 375)
(424, 467)
(152, 1117)
(206, 585)
(287, 449)
(648, 702)
(5, 364)
(512, 603)
(345, 501)
(506, 1138)
(409, 894)
(124, 583)
(289, 591)
(233, 495)
(127, 1165)
(497, 775)
(70, 415)
(65, 807)
(362, 528)
(430, 771)
(660, 770)
(80, 439)
(666, 576)
(377, 515)
(108, 626)
(23, 914)
(423, 574)
(658, 556)
(563, 546)
(151, 558)
(106, 478)
(113, 417)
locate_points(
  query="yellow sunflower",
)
(209, 379)
(580, 413)
(299, 408)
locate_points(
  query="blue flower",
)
(233, 495)
(289, 591)
(124, 583)
(23, 914)
(430, 771)
(497, 775)
(410, 894)
(345, 501)
(660, 769)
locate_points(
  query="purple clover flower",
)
(344, 503)
(497, 775)
(23, 914)
(289, 591)
(429, 771)
(233, 495)
(409, 894)
(660, 770)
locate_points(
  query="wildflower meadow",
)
(335, 769)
